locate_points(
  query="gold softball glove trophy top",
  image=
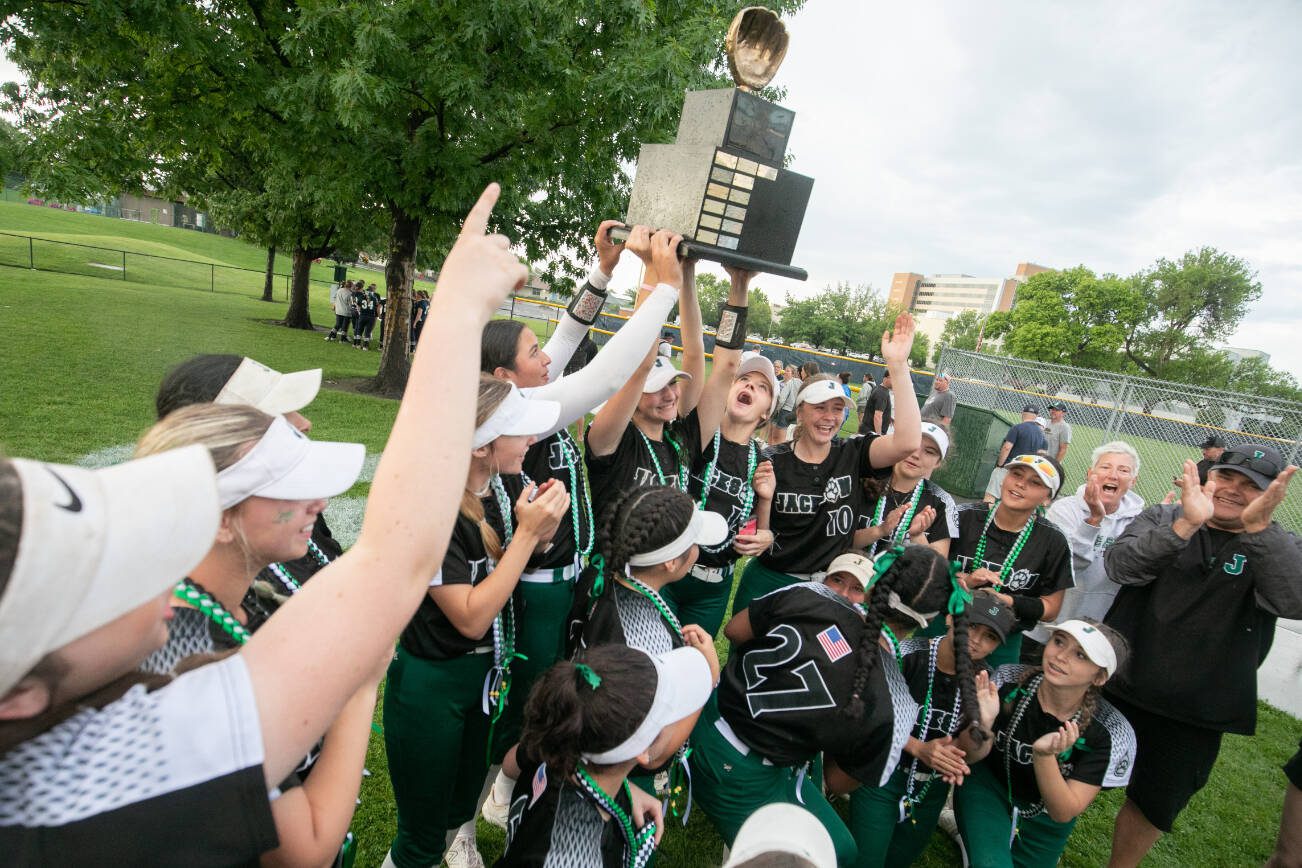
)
(722, 183)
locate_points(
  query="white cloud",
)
(960, 137)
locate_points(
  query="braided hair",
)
(637, 519)
(920, 577)
(965, 672)
(568, 715)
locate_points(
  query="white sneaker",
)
(493, 811)
(463, 854)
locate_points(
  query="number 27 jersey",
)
(783, 693)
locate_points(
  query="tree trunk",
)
(298, 316)
(399, 273)
(271, 273)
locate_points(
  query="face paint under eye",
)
(284, 517)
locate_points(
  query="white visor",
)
(662, 374)
(96, 544)
(783, 828)
(754, 362)
(517, 416)
(272, 392)
(683, 684)
(705, 528)
(1092, 641)
(285, 465)
(821, 391)
(936, 433)
(1043, 468)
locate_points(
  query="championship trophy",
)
(721, 184)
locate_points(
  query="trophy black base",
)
(691, 248)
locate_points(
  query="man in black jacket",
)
(1202, 583)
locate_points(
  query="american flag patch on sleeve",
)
(834, 644)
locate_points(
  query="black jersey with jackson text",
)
(946, 524)
(429, 634)
(730, 479)
(552, 823)
(631, 464)
(1104, 760)
(1042, 567)
(817, 506)
(783, 693)
(558, 457)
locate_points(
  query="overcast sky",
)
(964, 137)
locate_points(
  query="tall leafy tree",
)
(962, 330)
(1187, 304)
(552, 100)
(844, 317)
(1071, 317)
(713, 291)
(186, 99)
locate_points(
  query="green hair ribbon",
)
(883, 563)
(1080, 743)
(960, 597)
(598, 563)
(593, 679)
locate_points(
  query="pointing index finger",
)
(477, 220)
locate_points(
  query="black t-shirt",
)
(944, 527)
(552, 823)
(631, 464)
(557, 457)
(1043, 566)
(878, 399)
(782, 691)
(429, 634)
(816, 507)
(731, 478)
(623, 616)
(1105, 760)
(945, 714)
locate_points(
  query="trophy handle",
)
(690, 248)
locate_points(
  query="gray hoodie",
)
(1094, 593)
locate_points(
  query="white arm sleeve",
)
(614, 365)
(569, 331)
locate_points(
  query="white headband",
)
(705, 528)
(900, 606)
(1092, 641)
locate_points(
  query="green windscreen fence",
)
(975, 435)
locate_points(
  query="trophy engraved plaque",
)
(722, 184)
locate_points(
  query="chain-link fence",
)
(66, 257)
(547, 314)
(1165, 422)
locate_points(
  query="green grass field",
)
(84, 353)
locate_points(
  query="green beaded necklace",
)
(579, 499)
(1028, 694)
(748, 498)
(656, 600)
(909, 801)
(189, 591)
(681, 481)
(1007, 569)
(639, 845)
(895, 645)
(901, 531)
(287, 579)
(504, 621)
